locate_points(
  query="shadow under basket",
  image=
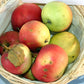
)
(74, 69)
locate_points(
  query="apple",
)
(50, 63)
(8, 38)
(24, 13)
(69, 42)
(17, 60)
(57, 16)
(29, 74)
(34, 34)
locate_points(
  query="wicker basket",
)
(77, 27)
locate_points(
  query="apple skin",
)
(34, 34)
(24, 13)
(50, 63)
(57, 16)
(23, 68)
(69, 42)
(8, 38)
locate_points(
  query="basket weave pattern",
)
(74, 70)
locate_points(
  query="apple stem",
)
(7, 48)
(45, 41)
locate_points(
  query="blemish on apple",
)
(50, 62)
(57, 77)
(5, 57)
(30, 43)
(31, 30)
(48, 21)
(24, 38)
(45, 69)
(73, 56)
(44, 76)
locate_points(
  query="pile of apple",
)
(31, 49)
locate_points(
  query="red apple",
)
(8, 38)
(24, 13)
(17, 60)
(34, 34)
(50, 63)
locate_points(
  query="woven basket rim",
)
(3, 2)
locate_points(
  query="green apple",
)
(29, 74)
(57, 16)
(68, 42)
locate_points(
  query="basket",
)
(74, 69)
